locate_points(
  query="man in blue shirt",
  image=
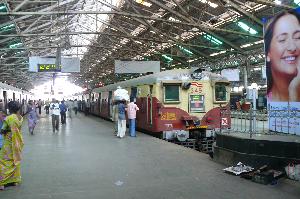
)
(121, 119)
(63, 109)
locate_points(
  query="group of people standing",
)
(119, 117)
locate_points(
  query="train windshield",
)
(171, 93)
(220, 91)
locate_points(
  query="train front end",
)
(194, 107)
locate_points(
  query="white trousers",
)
(121, 128)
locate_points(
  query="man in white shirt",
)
(55, 112)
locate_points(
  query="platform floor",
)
(84, 160)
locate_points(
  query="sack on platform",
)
(293, 171)
(121, 94)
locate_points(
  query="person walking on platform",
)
(87, 107)
(47, 106)
(54, 107)
(63, 109)
(32, 116)
(121, 120)
(115, 112)
(10, 154)
(70, 105)
(131, 113)
(39, 104)
(23, 108)
(75, 106)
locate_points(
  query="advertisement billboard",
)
(282, 51)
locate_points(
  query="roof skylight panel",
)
(144, 3)
(246, 28)
(211, 4)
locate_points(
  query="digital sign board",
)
(48, 64)
(196, 103)
(49, 68)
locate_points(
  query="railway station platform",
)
(84, 160)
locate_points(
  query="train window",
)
(220, 91)
(171, 93)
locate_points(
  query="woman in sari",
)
(32, 116)
(10, 154)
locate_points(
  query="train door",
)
(133, 93)
(5, 101)
(14, 97)
(99, 103)
(110, 105)
(149, 105)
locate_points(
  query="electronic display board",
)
(48, 64)
(49, 68)
(196, 103)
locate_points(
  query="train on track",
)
(10, 93)
(180, 101)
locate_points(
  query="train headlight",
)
(186, 85)
(209, 119)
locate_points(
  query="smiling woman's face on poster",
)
(282, 50)
(282, 41)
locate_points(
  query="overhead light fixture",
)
(211, 4)
(167, 57)
(191, 60)
(9, 26)
(3, 7)
(246, 45)
(173, 19)
(212, 39)
(247, 28)
(221, 52)
(185, 50)
(259, 42)
(138, 42)
(143, 2)
(277, 2)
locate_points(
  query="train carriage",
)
(10, 93)
(172, 101)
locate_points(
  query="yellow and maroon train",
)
(171, 101)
